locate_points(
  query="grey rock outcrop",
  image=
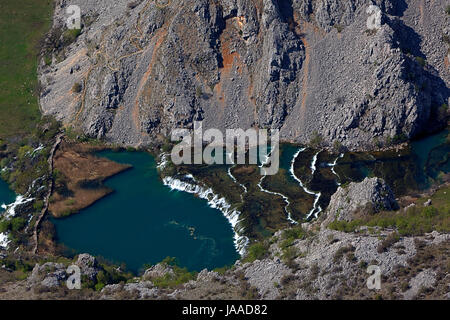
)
(88, 266)
(138, 290)
(424, 280)
(302, 67)
(49, 275)
(360, 198)
(158, 271)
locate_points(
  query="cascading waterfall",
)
(230, 174)
(10, 209)
(164, 161)
(234, 178)
(215, 202)
(286, 199)
(314, 162)
(316, 209)
(10, 212)
(4, 240)
(333, 165)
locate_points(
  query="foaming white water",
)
(164, 161)
(38, 149)
(333, 165)
(229, 157)
(215, 202)
(286, 199)
(4, 241)
(313, 163)
(11, 208)
(316, 209)
(235, 180)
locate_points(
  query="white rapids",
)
(215, 202)
(316, 208)
(286, 199)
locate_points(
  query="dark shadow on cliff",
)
(424, 77)
(399, 8)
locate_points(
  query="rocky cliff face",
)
(140, 69)
(369, 196)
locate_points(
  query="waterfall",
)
(316, 209)
(332, 165)
(11, 208)
(286, 199)
(215, 202)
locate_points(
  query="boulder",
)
(158, 271)
(88, 265)
(367, 197)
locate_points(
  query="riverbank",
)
(79, 177)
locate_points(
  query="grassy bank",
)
(22, 25)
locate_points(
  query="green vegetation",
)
(20, 268)
(390, 240)
(14, 225)
(348, 251)
(179, 276)
(28, 157)
(70, 35)
(295, 233)
(289, 253)
(110, 275)
(316, 140)
(77, 87)
(339, 27)
(417, 220)
(256, 251)
(421, 61)
(447, 10)
(371, 32)
(22, 25)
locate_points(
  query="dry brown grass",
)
(79, 178)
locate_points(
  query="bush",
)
(414, 222)
(390, 240)
(18, 224)
(447, 10)
(179, 276)
(69, 36)
(421, 61)
(77, 87)
(316, 140)
(5, 226)
(295, 233)
(256, 251)
(339, 27)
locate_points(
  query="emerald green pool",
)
(143, 222)
(6, 195)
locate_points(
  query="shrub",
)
(256, 251)
(316, 140)
(339, 27)
(132, 5)
(18, 224)
(388, 242)
(415, 221)
(180, 276)
(77, 87)
(295, 233)
(421, 61)
(341, 251)
(48, 59)
(70, 35)
(337, 146)
(5, 225)
(447, 10)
